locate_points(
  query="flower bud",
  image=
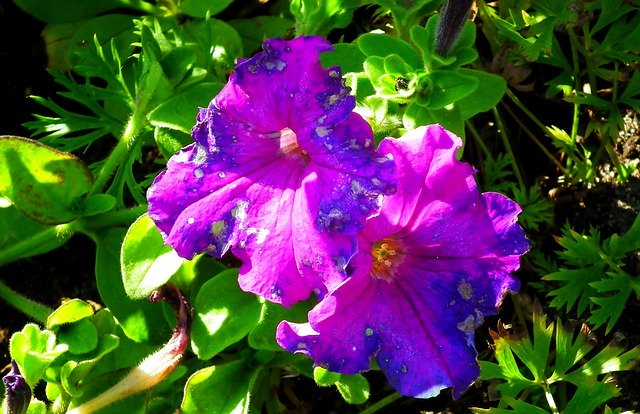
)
(18, 392)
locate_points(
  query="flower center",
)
(387, 255)
(289, 145)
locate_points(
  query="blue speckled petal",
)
(429, 268)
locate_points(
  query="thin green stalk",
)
(119, 154)
(536, 141)
(34, 310)
(115, 218)
(527, 112)
(576, 86)
(507, 146)
(549, 396)
(26, 246)
(382, 403)
(140, 5)
(477, 139)
(588, 57)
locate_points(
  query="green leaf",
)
(170, 141)
(319, 17)
(609, 308)
(98, 203)
(22, 237)
(219, 389)
(203, 8)
(179, 112)
(43, 183)
(254, 30)
(263, 334)
(34, 350)
(141, 320)
(69, 10)
(69, 312)
(223, 314)
(81, 337)
(147, 263)
(447, 87)
(324, 377)
(534, 353)
(380, 44)
(353, 388)
(489, 91)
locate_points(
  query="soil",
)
(69, 271)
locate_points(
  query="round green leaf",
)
(81, 336)
(224, 314)
(219, 389)
(145, 260)
(141, 320)
(98, 203)
(43, 183)
(70, 311)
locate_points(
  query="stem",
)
(156, 366)
(26, 247)
(549, 396)
(123, 217)
(381, 403)
(527, 112)
(477, 139)
(119, 154)
(576, 87)
(143, 6)
(591, 73)
(507, 146)
(536, 140)
(34, 310)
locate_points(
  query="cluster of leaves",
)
(596, 274)
(596, 73)
(551, 359)
(132, 75)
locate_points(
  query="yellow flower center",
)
(289, 145)
(387, 255)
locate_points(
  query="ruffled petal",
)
(281, 119)
(449, 254)
(351, 177)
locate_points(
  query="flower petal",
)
(450, 253)
(277, 151)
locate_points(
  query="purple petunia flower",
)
(430, 267)
(280, 163)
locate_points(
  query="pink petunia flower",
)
(280, 165)
(430, 267)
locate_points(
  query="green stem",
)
(527, 112)
(382, 403)
(27, 246)
(576, 86)
(478, 139)
(32, 309)
(549, 396)
(140, 5)
(588, 57)
(119, 154)
(535, 140)
(507, 146)
(116, 218)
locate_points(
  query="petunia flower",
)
(430, 267)
(280, 165)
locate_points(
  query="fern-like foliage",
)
(496, 176)
(532, 372)
(594, 275)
